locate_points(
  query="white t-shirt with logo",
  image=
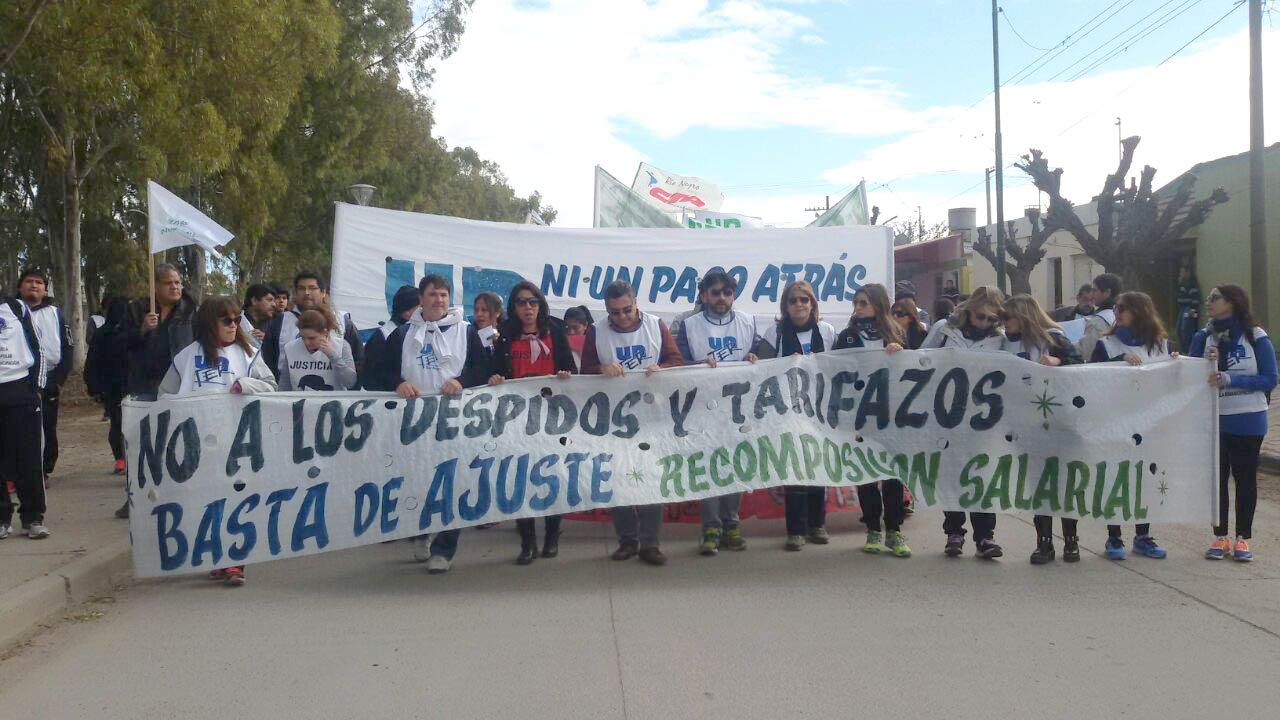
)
(635, 350)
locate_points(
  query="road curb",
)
(39, 601)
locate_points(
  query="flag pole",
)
(151, 257)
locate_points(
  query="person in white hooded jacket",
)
(434, 353)
(221, 360)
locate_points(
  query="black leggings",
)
(1044, 527)
(882, 498)
(1238, 457)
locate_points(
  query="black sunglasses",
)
(983, 317)
(525, 301)
(231, 321)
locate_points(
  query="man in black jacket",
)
(402, 306)
(106, 370)
(20, 367)
(55, 355)
(309, 292)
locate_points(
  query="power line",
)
(1036, 66)
(1084, 57)
(1009, 22)
(1133, 41)
(1238, 4)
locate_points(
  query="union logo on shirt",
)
(427, 358)
(722, 347)
(207, 374)
(1237, 354)
(631, 357)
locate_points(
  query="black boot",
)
(551, 545)
(1044, 552)
(1071, 550)
(123, 512)
(528, 551)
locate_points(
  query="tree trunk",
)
(72, 289)
(1019, 280)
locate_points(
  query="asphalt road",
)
(828, 632)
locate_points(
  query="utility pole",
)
(1257, 211)
(818, 210)
(920, 222)
(995, 57)
(1119, 141)
(989, 171)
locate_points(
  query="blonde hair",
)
(1033, 323)
(982, 297)
(798, 286)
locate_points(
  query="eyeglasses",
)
(720, 292)
(1214, 295)
(231, 321)
(522, 300)
(798, 300)
(901, 314)
(983, 317)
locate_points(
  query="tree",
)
(1136, 227)
(1019, 259)
(908, 231)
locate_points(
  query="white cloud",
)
(810, 39)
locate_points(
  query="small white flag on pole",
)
(172, 222)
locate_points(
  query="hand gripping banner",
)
(230, 479)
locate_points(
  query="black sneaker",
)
(653, 556)
(955, 545)
(1044, 553)
(625, 551)
(1071, 550)
(988, 550)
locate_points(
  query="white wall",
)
(1077, 267)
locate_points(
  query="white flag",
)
(171, 223)
(851, 210)
(617, 206)
(675, 192)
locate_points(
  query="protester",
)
(1106, 289)
(309, 293)
(530, 345)
(20, 453)
(1082, 309)
(906, 290)
(434, 353)
(220, 360)
(799, 331)
(283, 304)
(906, 315)
(488, 318)
(259, 308)
(950, 292)
(975, 326)
(1137, 337)
(55, 355)
(1031, 335)
(318, 359)
(942, 309)
(631, 340)
(1245, 377)
(106, 371)
(1188, 307)
(403, 304)
(717, 334)
(872, 327)
(576, 321)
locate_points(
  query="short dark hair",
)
(278, 290)
(310, 275)
(35, 273)
(618, 289)
(717, 277)
(257, 291)
(1085, 288)
(579, 313)
(1109, 282)
(433, 280)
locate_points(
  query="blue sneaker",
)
(1115, 549)
(1241, 552)
(1146, 545)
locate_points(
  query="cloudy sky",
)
(783, 102)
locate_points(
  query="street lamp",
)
(361, 193)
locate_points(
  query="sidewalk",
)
(1269, 461)
(88, 547)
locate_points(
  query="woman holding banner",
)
(1245, 377)
(871, 327)
(974, 326)
(1031, 335)
(1137, 337)
(798, 331)
(221, 360)
(530, 345)
(907, 316)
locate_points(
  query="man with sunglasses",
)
(714, 335)
(631, 341)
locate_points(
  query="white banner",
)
(675, 192)
(706, 220)
(172, 222)
(376, 251)
(850, 210)
(617, 205)
(230, 479)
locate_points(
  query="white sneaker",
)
(421, 548)
(438, 564)
(37, 531)
(4, 530)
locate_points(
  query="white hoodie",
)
(434, 352)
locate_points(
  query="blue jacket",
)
(1254, 424)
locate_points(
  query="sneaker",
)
(119, 469)
(625, 551)
(794, 542)
(989, 550)
(122, 512)
(37, 531)
(710, 542)
(874, 543)
(819, 536)
(1147, 545)
(1071, 550)
(898, 545)
(5, 529)
(438, 564)
(219, 574)
(1219, 549)
(733, 540)
(1241, 552)
(1044, 553)
(955, 545)
(421, 548)
(1115, 549)
(652, 556)
(234, 577)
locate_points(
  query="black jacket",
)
(388, 374)
(106, 368)
(151, 355)
(271, 343)
(561, 353)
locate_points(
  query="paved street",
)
(827, 632)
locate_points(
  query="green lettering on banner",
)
(1020, 499)
(779, 458)
(720, 458)
(696, 471)
(1139, 510)
(831, 460)
(919, 478)
(1099, 480)
(812, 454)
(1047, 489)
(977, 462)
(1077, 483)
(744, 452)
(998, 488)
(855, 472)
(1119, 497)
(869, 467)
(671, 466)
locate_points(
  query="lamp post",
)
(361, 193)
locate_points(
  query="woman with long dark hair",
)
(1245, 376)
(907, 315)
(799, 331)
(221, 360)
(530, 345)
(1138, 338)
(1031, 335)
(872, 326)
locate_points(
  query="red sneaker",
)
(235, 577)
(120, 466)
(219, 574)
